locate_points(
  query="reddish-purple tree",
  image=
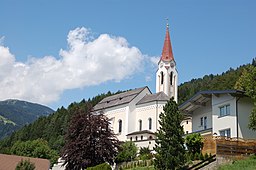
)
(89, 140)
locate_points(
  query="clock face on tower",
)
(172, 64)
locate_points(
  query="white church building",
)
(134, 114)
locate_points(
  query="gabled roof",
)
(119, 99)
(141, 132)
(9, 162)
(200, 98)
(160, 96)
(167, 54)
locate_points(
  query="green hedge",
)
(103, 166)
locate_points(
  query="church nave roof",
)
(160, 96)
(118, 99)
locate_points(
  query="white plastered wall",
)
(245, 106)
(187, 125)
(131, 115)
(225, 122)
(149, 110)
(115, 114)
(204, 111)
(166, 87)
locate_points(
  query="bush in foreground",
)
(103, 166)
(25, 165)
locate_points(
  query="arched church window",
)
(149, 123)
(140, 125)
(141, 138)
(120, 126)
(171, 78)
(136, 138)
(162, 77)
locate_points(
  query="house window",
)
(119, 126)
(203, 122)
(141, 138)
(162, 77)
(140, 125)
(186, 132)
(225, 132)
(136, 138)
(171, 78)
(225, 110)
(130, 138)
(187, 122)
(149, 123)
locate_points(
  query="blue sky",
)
(58, 52)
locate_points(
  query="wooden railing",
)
(235, 147)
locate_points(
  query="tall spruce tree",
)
(169, 142)
(89, 140)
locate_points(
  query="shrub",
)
(103, 166)
(201, 156)
(25, 165)
(128, 151)
(194, 143)
(206, 156)
(197, 156)
(145, 153)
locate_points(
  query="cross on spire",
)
(167, 23)
(167, 54)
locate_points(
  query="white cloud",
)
(154, 60)
(86, 62)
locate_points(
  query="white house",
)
(220, 113)
(134, 114)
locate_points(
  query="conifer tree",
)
(169, 142)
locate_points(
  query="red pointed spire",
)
(167, 54)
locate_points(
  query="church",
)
(134, 114)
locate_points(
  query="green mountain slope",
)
(14, 114)
(224, 81)
(51, 128)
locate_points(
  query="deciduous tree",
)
(247, 83)
(37, 148)
(89, 140)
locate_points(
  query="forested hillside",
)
(224, 81)
(14, 114)
(53, 127)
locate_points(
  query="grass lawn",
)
(247, 164)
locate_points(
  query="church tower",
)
(167, 75)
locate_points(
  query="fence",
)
(209, 145)
(228, 146)
(134, 164)
(235, 147)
